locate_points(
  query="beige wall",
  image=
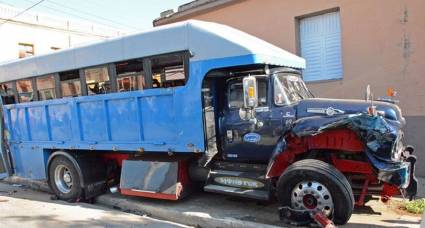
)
(383, 44)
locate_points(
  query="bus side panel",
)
(124, 120)
(159, 119)
(37, 120)
(60, 122)
(29, 161)
(19, 125)
(92, 117)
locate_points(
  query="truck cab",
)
(267, 136)
(278, 94)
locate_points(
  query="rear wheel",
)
(64, 179)
(313, 185)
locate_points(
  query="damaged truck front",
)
(361, 139)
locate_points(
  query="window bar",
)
(58, 86)
(83, 82)
(147, 69)
(34, 89)
(112, 72)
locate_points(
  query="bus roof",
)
(205, 40)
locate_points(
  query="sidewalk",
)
(23, 207)
(212, 210)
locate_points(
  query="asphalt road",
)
(22, 207)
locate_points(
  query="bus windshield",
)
(289, 88)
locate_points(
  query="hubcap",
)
(312, 196)
(63, 179)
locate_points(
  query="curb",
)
(197, 219)
(131, 205)
(33, 184)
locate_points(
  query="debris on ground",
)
(414, 206)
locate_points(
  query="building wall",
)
(42, 39)
(383, 44)
(45, 32)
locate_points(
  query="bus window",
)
(25, 90)
(130, 75)
(7, 93)
(97, 80)
(70, 83)
(168, 71)
(46, 87)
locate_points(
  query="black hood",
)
(311, 107)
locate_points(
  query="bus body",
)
(157, 111)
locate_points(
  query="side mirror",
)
(250, 95)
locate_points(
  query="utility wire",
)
(90, 14)
(22, 12)
(87, 19)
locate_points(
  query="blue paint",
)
(157, 120)
(252, 137)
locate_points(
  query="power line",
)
(54, 9)
(90, 14)
(22, 12)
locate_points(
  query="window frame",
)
(13, 90)
(185, 55)
(54, 86)
(112, 74)
(23, 44)
(34, 89)
(239, 80)
(84, 77)
(297, 20)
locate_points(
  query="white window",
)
(320, 43)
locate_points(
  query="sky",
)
(124, 15)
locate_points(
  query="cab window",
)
(235, 93)
(46, 87)
(25, 90)
(97, 80)
(288, 89)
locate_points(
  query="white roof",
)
(205, 40)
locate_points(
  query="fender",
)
(291, 145)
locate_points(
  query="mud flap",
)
(153, 179)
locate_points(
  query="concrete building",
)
(347, 44)
(34, 34)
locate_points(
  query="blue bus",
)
(156, 113)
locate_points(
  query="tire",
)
(321, 178)
(64, 188)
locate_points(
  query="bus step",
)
(248, 193)
(246, 184)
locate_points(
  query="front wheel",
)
(313, 185)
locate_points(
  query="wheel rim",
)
(63, 179)
(312, 196)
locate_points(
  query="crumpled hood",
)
(313, 107)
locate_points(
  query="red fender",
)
(337, 139)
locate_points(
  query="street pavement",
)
(199, 209)
(22, 207)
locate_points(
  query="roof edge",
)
(186, 10)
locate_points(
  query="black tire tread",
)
(327, 170)
(77, 191)
(313, 165)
